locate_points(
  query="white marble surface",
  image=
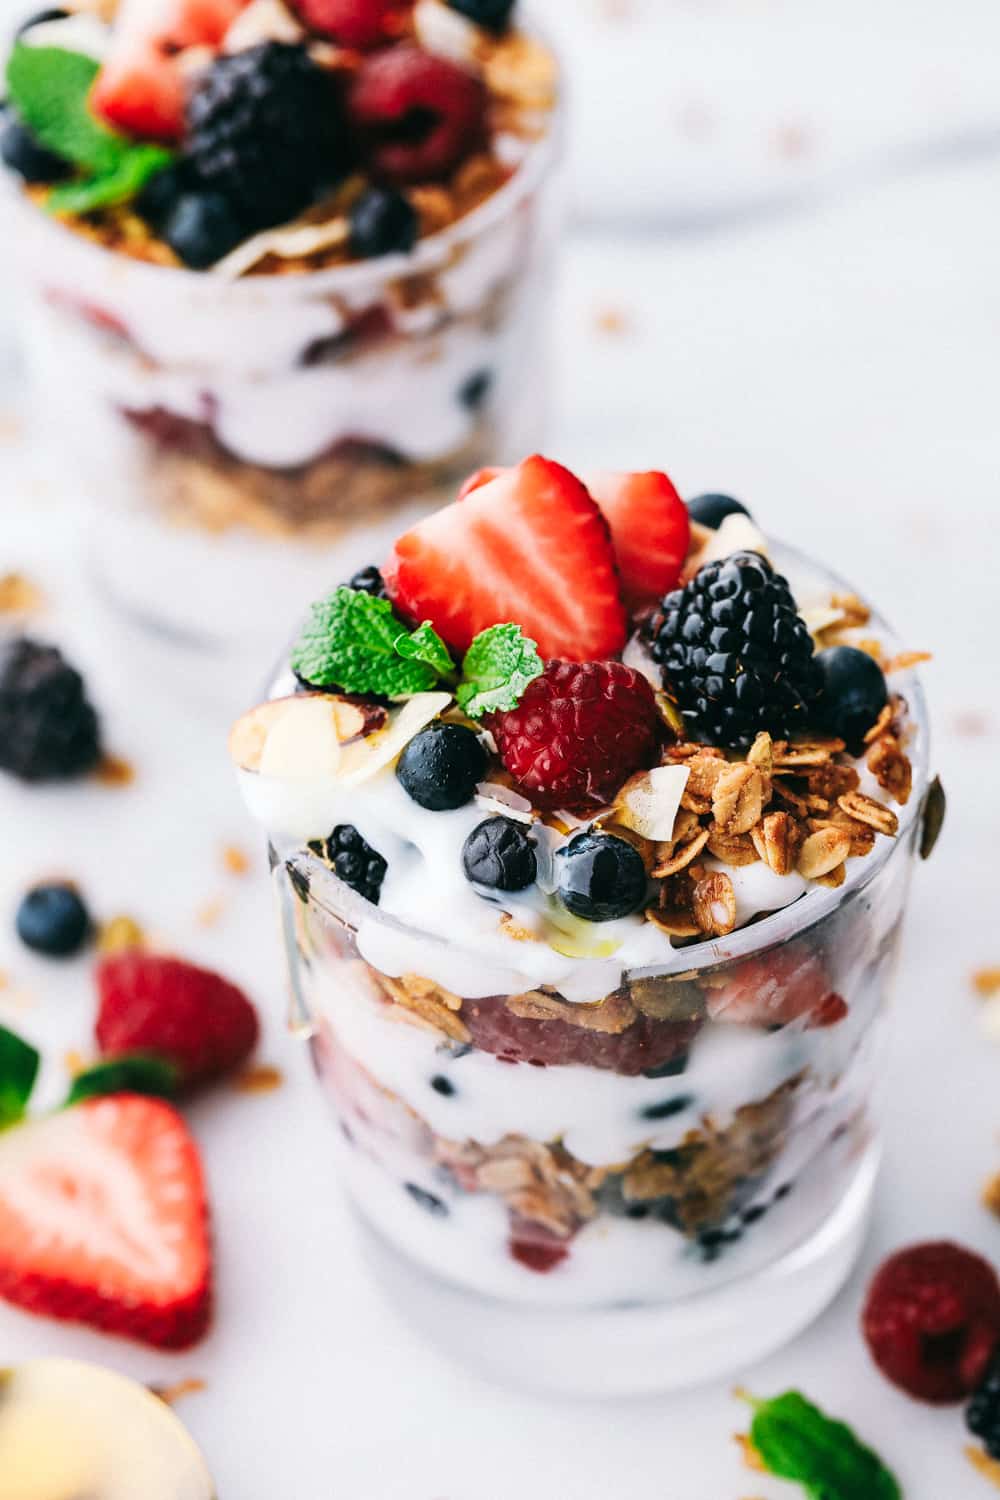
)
(838, 368)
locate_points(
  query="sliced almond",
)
(714, 904)
(365, 758)
(306, 728)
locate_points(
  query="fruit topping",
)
(529, 546)
(650, 531)
(418, 115)
(140, 90)
(103, 1220)
(712, 510)
(442, 765)
(53, 919)
(368, 581)
(355, 862)
(48, 728)
(601, 877)
(188, 1016)
(853, 693)
(645, 1046)
(201, 228)
(932, 1320)
(25, 155)
(491, 14)
(500, 853)
(383, 222)
(735, 655)
(266, 130)
(982, 1415)
(352, 23)
(579, 732)
(775, 988)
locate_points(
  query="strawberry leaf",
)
(797, 1441)
(18, 1070)
(136, 1073)
(354, 642)
(496, 670)
(49, 89)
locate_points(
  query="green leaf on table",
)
(18, 1070)
(496, 670)
(50, 90)
(133, 1073)
(128, 179)
(797, 1441)
(354, 642)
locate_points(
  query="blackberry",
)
(982, 1415)
(266, 129)
(735, 654)
(368, 581)
(48, 728)
(355, 862)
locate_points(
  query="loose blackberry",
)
(368, 581)
(48, 728)
(266, 129)
(355, 862)
(982, 1415)
(735, 654)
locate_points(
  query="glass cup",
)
(231, 431)
(679, 1184)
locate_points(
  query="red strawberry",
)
(781, 986)
(478, 479)
(353, 23)
(192, 1017)
(650, 529)
(103, 1220)
(418, 114)
(530, 546)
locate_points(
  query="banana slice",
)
(73, 1431)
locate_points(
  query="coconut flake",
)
(736, 534)
(547, 842)
(497, 798)
(444, 31)
(364, 759)
(636, 655)
(262, 21)
(289, 243)
(649, 802)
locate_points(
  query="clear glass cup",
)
(681, 1198)
(234, 431)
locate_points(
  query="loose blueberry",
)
(500, 853)
(442, 765)
(601, 877)
(201, 228)
(442, 1086)
(668, 1108)
(473, 392)
(27, 157)
(854, 693)
(491, 14)
(383, 221)
(430, 1201)
(52, 919)
(712, 510)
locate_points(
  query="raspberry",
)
(418, 115)
(195, 1019)
(932, 1320)
(644, 1047)
(579, 732)
(352, 23)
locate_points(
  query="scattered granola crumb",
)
(986, 982)
(988, 1467)
(991, 1194)
(235, 860)
(115, 770)
(260, 1079)
(75, 1063)
(905, 660)
(120, 933)
(613, 322)
(171, 1394)
(19, 595)
(210, 913)
(751, 1457)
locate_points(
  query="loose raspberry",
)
(418, 115)
(777, 988)
(192, 1017)
(579, 732)
(644, 1047)
(353, 23)
(932, 1320)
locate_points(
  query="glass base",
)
(639, 1349)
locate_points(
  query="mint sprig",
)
(135, 1073)
(49, 89)
(496, 670)
(797, 1441)
(18, 1070)
(354, 642)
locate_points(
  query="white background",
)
(836, 364)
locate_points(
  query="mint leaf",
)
(133, 171)
(797, 1441)
(351, 641)
(18, 1071)
(136, 1073)
(497, 668)
(427, 646)
(50, 89)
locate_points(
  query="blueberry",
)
(39, 18)
(442, 765)
(500, 853)
(52, 919)
(473, 391)
(668, 1108)
(671, 1069)
(712, 510)
(201, 228)
(854, 693)
(430, 1201)
(160, 194)
(443, 1086)
(383, 221)
(368, 581)
(27, 156)
(601, 877)
(492, 14)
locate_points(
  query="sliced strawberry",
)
(650, 529)
(529, 546)
(103, 1220)
(478, 479)
(777, 988)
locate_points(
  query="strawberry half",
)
(777, 988)
(103, 1220)
(650, 529)
(528, 546)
